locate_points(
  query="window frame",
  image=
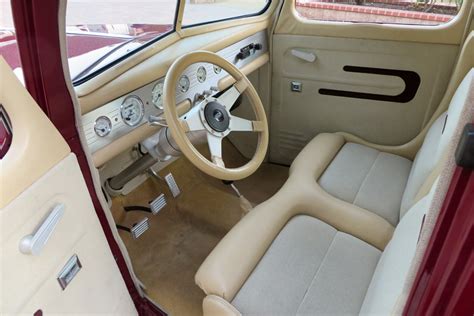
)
(100, 70)
(262, 11)
(177, 27)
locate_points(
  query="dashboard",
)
(119, 117)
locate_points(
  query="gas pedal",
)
(172, 185)
(139, 228)
(158, 204)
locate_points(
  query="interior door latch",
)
(304, 55)
(33, 244)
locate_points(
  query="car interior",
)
(271, 164)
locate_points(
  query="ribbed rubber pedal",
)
(172, 185)
(139, 228)
(158, 204)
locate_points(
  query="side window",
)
(206, 11)
(410, 12)
(100, 33)
(8, 45)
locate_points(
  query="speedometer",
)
(157, 95)
(132, 110)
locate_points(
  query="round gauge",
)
(102, 126)
(217, 69)
(157, 95)
(201, 74)
(132, 110)
(184, 83)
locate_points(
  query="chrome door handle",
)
(306, 56)
(33, 244)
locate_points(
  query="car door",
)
(54, 257)
(379, 79)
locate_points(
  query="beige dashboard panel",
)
(121, 80)
(449, 33)
(30, 155)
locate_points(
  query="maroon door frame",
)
(445, 281)
(444, 284)
(37, 29)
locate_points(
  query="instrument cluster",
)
(117, 118)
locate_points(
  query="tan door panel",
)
(45, 174)
(339, 94)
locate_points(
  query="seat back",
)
(389, 276)
(435, 144)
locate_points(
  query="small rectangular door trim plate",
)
(69, 271)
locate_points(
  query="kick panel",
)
(373, 77)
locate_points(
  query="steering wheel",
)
(213, 116)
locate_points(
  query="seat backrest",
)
(435, 144)
(394, 264)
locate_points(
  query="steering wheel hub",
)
(216, 116)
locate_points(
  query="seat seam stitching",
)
(316, 273)
(366, 177)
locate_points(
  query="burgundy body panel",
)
(37, 32)
(445, 282)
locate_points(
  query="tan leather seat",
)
(319, 246)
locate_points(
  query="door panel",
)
(38, 173)
(384, 91)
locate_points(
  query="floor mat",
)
(167, 256)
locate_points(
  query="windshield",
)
(100, 32)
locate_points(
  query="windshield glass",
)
(100, 32)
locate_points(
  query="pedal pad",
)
(139, 228)
(173, 186)
(158, 204)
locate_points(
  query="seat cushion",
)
(310, 268)
(368, 178)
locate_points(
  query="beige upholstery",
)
(369, 179)
(395, 261)
(304, 240)
(383, 183)
(302, 272)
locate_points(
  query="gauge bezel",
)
(217, 70)
(142, 110)
(109, 121)
(159, 107)
(184, 90)
(201, 68)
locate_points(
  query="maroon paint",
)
(38, 40)
(5, 133)
(445, 282)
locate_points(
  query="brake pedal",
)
(158, 204)
(172, 185)
(137, 229)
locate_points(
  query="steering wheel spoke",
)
(229, 97)
(191, 121)
(238, 124)
(215, 147)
